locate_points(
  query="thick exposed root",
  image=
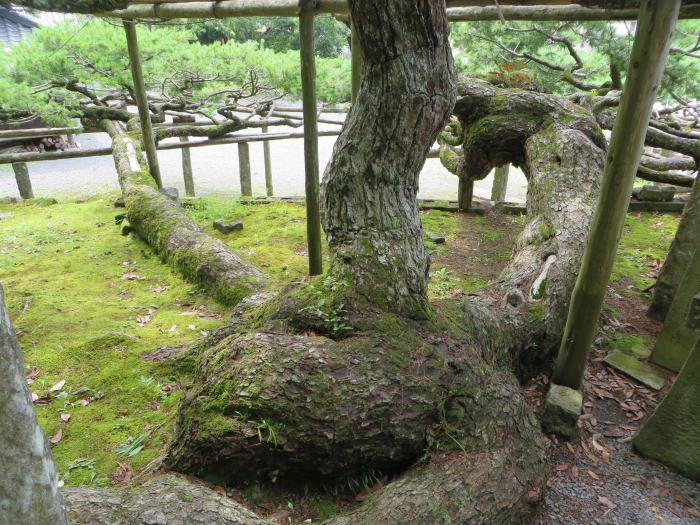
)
(174, 236)
(163, 500)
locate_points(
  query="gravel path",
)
(216, 172)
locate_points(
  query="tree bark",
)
(28, 484)
(676, 339)
(500, 184)
(368, 194)
(164, 499)
(678, 258)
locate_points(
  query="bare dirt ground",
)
(601, 479)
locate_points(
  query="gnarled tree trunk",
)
(369, 208)
(276, 403)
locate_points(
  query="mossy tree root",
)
(174, 236)
(166, 498)
(276, 406)
(561, 150)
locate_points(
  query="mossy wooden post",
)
(24, 183)
(142, 101)
(308, 88)
(655, 26)
(676, 339)
(268, 165)
(676, 263)
(465, 194)
(500, 183)
(356, 63)
(244, 169)
(670, 435)
(186, 160)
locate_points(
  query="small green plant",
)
(153, 386)
(334, 318)
(132, 446)
(84, 464)
(264, 427)
(442, 282)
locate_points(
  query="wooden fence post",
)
(465, 194)
(24, 183)
(308, 87)
(657, 20)
(186, 160)
(500, 184)
(268, 164)
(142, 101)
(244, 169)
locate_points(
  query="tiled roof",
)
(13, 27)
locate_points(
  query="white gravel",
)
(216, 172)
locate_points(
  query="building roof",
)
(14, 27)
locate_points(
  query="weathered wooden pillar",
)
(657, 21)
(244, 169)
(465, 194)
(677, 339)
(24, 183)
(670, 435)
(500, 183)
(308, 87)
(357, 61)
(186, 160)
(268, 164)
(142, 101)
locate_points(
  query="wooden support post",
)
(268, 165)
(186, 159)
(677, 339)
(465, 193)
(24, 183)
(187, 168)
(357, 60)
(657, 20)
(142, 101)
(670, 434)
(500, 184)
(308, 87)
(244, 169)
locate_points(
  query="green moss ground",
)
(72, 282)
(645, 242)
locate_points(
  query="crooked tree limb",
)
(173, 234)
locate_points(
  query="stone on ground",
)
(227, 226)
(629, 365)
(562, 408)
(436, 238)
(657, 193)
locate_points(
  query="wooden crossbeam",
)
(458, 10)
